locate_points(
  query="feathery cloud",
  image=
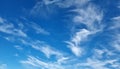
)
(9, 28)
(67, 4)
(91, 17)
(48, 51)
(18, 47)
(95, 63)
(116, 23)
(74, 44)
(41, 64)
(38, 29)
(116, 42)
(76, 50)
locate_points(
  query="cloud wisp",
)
(9, 28)
(91, 17)
(38, 29)
(40, 64)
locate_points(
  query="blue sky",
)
(59, 34)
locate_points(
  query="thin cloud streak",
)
(91, 18)
(38, 29)
(9, 28)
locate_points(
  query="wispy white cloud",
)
(47, 2)
(116, 43)
(117, 18)
(116, 21)
(95, 63)
(74, 44)
(9, 38)
(38, 29)
(99, 53)
(46, 8)
(100, 59)
(79, 3)
(41, 64)
(28, 25)
(79, 36)
(18, 47)
(48, 51)
(67, 62)
(76, 50)
(64, 61)
(40, 9)
(66, 3)
(44, 48)
(89, 63)
(116, 36)
(9, 28)
(91, 17)
(34, 62)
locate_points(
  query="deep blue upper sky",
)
(59, 34)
